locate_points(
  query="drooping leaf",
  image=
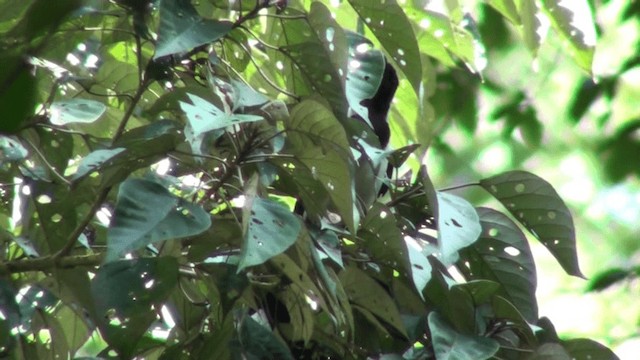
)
(76, 111)
(124, 292)
(537, 206)
(607, 278)
(392, 28)
(586, 349)
(272, 229)
(146, 212)
(448, 344)
(502, 254)
(182, 28)
(367, 293)
(204, 117)
(458, 226)
(321, 145)
(574, 21)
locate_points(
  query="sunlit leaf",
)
(272, 229)
(574, 22)
(146, 212)
(390, 25)
(203, 116)
(507, 8)
(531, 26)
(451, 345)
(536, 205)
(502, 254)
(76, 111)
(366, 292)
(182, 28)
(11, 149)
(458, 226)
(94, 161)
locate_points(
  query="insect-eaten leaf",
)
(458, 226)
(76, 111)
(146, 212)
(271, 230)
(538, 207)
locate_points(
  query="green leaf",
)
(574, 21)
(145, 213)
(18, 95)
(383, 238)
(502, 254)
(258, 342)
(451, 345)
(182, 28)
(549, 351)
(320, 143)
(76, 111)
(507, 8)
(607, 278)
(366, 292)
(530, 24)
(539, 208)
(504, 309)
(124, 292)
(94, 160)
(586, 349)
(11, 149)
(203, 116)
(365, 71)
(392, 28)
(420, 267)
(458, 226)
(272, 229)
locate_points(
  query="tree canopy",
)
(208, 180)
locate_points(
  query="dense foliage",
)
(207, 180)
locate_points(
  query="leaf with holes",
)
(271, 230)
(502, 254)
(448, 344)
(365, 70)
(204, 117)
(420, 266)
(392, 28)
(320, 143)
(383, 239)
(146, 212)
(258, 342)
(537, 206)
(364, 291)
(76, 111)
(148, 281)
(458, 226)
(574, 21)
(182, 28)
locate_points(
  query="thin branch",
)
(49, 263)
(73, 237)
(462, 186)
(125, 119)
(46, 162)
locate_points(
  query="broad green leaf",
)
(504, 309)
(321, 144)
(364, 291)
(507, 8)
(392, 28)
(328, 241)
(502, 254)
(255, 341)
(272, 229)
(574, 21)
(586, 349)
(11, 149)
(203, 116)
(458, 226)
(146, 212)
(76, 111)
(550, 351)
(420, 266)
(607, 278)
(94, 160)
(300, 313)
(182, 28)
(324, 72)
(365, 70)
(451, 345)
(125, 292)
(383, 239)
(245, 96)
(537, 206)
(531, 27)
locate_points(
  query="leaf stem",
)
(48, 263)
(462, 186)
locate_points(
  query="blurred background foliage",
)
(582, 133)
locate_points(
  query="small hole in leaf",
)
(493, 232)
(520, 188)
(551, 215)
(512, 251)
(56, 218)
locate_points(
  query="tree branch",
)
(48, 263)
